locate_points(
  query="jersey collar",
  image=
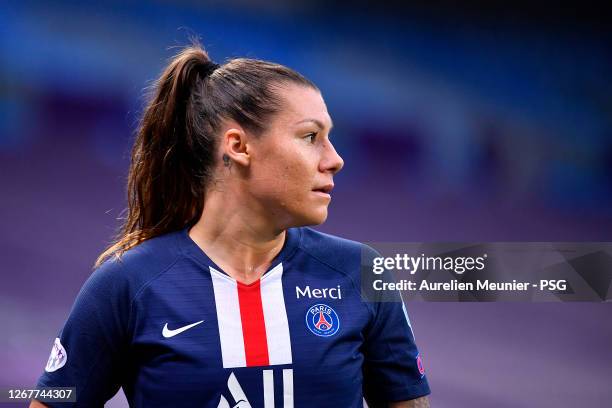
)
(191, 249)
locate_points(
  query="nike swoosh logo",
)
(167, 333)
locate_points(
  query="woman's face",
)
(293, 162)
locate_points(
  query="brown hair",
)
(174, 153)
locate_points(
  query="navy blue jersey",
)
(170, 327)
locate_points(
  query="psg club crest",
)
(322, 320)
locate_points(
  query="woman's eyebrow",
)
(316, 122)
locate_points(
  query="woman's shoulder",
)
(313, 239)
(340, 253)
(138, 265)
(328, 242)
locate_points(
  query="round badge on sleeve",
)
(420, 365)
(58, 357)
(322, 320)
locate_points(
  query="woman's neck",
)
(235, 238)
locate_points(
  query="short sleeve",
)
(89, 351)
(392, 370)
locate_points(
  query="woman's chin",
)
(314, 217)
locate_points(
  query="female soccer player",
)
(216, 294)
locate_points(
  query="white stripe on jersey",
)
(268, 387)
(406, 315)
(288, 388)
(275, 317)
(231, 333)
(228, 316)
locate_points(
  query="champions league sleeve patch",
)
(420, 365)
(322, 320)
(58, 357)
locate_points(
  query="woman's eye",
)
(311, 137)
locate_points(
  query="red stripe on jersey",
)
(253, 324)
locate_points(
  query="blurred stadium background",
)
(474, 123)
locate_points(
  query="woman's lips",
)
(324, 191)
(327, 188)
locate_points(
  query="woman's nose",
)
(331, 161)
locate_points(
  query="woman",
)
(215, 295)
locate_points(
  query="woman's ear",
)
(235, 146)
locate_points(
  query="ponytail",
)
(173, 156)
(164, 191)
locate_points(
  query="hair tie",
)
(209, 68)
